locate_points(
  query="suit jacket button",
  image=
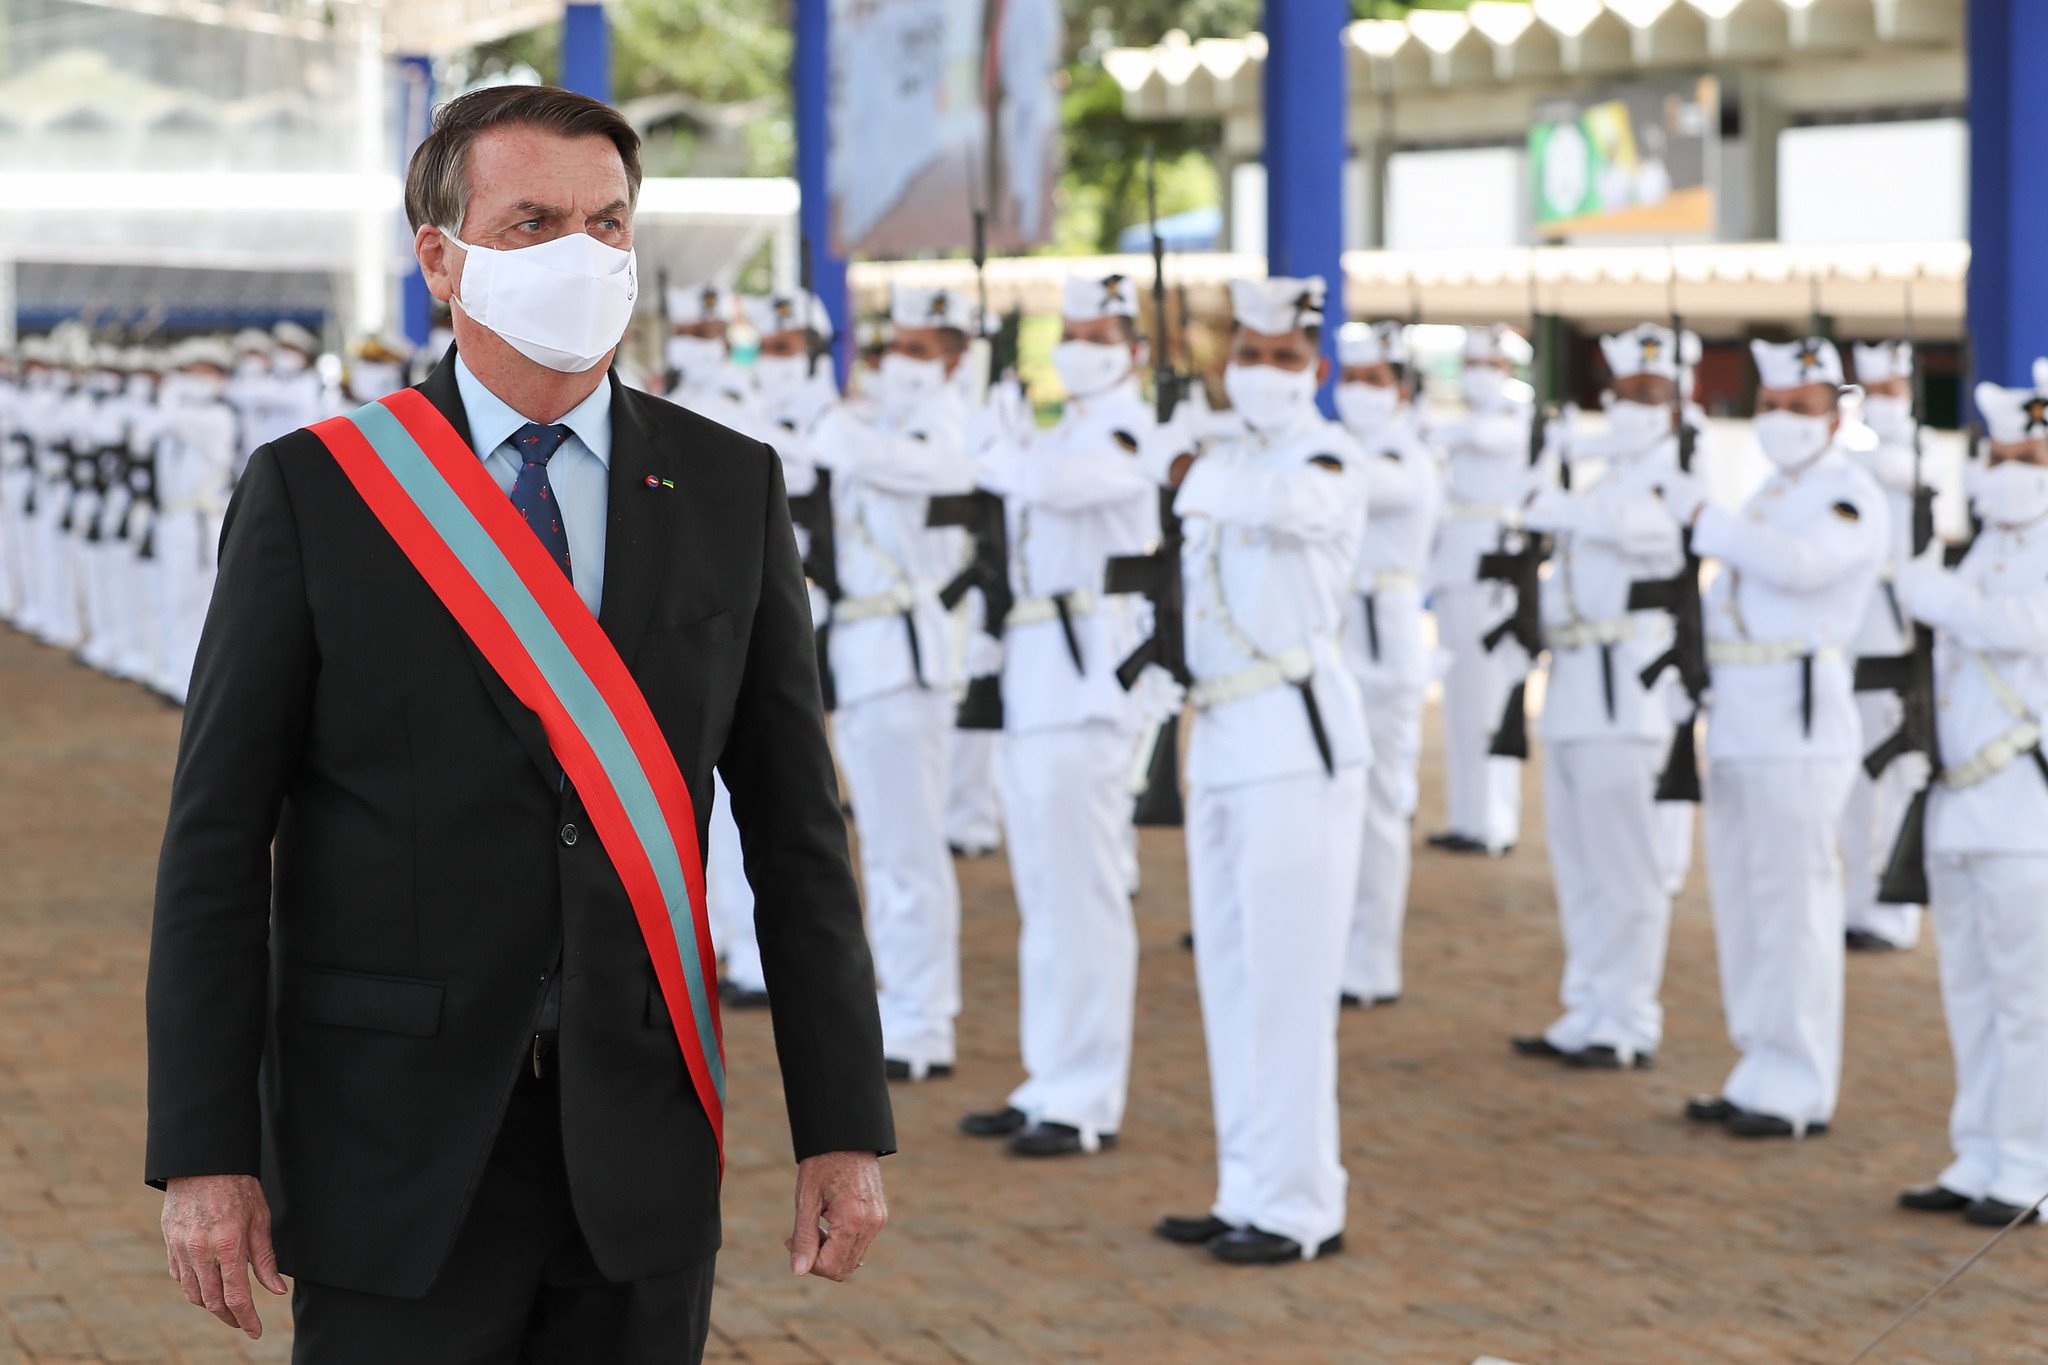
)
(570, 835)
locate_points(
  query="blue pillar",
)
(811, 81)
(415, 118)
(2008, 108)
(1305, 147)
(587, 50)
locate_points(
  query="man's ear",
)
(440, 261)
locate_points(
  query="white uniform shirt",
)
(1798, 565)
(1404, 487)
(196, 464)
(1487, 475)
(1609, 536)
(1993, 608)
(788, 420)
(1272, 525)
(886, 467)
(1074, 496)
(1884, 627)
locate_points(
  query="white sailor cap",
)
(1278, 304)
(2012, 415)
(913, 306)
(148, 360)
(297, 337)
(789, 310)
(34, 351)
(690, 305)
(1794, 364)
(204, 351)
(1499, 342)
(1372, 343)
(1088, 298)
(254, 339)
(109, 358)
(1886, 360)
(1649, 349)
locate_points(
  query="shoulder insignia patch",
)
(1329, 462)
(1126, 440)
(1847, 511)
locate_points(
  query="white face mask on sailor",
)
(1267, 397)
(1791, 439)
(1366, 407)
(1891, 418)
(1638, 424)
(777, 374)
(903, 381)
(1483, 386)
(694, 358)
(1087, 368)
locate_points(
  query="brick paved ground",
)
(1497, 1207)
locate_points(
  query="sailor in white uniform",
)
(702, 376)
(195, 472)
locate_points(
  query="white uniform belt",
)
(1030, 611)
(1750, 653)
(1390, 580)
(1294, 666)
(852, 610)
(1585, 634)
(1993, 757)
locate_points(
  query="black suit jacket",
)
(369, 870)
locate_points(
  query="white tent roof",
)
(425, 27)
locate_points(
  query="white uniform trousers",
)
(14, 582)
(731, 896)
(1273, 877)
(1372, 964)
(145, 626)
(56, 619)
(1482, 794)
(1776, 884)
(974, 819)
(1609, 859)
(1066, 805)
(893, 749)
(1991, 922)
(1674, 834)
(1870, 825)
(102, 646)
(186, 568)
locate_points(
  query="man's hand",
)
(215, 1228)
(839, 1211)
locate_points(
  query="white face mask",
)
(1366, 407)
(1267, 397)
(1890, 418)
(289, 362)
(563, 304)
(1639, 424)
(694, 359)
(1482, 385)
(778, 374)
(203, 386)
(903, 381)
(1789, 439)
(2008, 494)
(1087, 368)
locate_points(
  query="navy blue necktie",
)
(533, 496)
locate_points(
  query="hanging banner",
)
(1640, 160)
(939, 107)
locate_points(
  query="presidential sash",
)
(432, 494)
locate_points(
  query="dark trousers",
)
(520, 1287)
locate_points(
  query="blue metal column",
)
(415, 119)
(2008, 109)
(587, 50)
(811, 82)
(1305, 147)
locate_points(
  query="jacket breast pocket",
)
(706, 631)
(388, 1004)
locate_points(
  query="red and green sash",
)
(432, 493)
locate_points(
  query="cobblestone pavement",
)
(1498, 1207)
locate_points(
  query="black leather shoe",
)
(1935, 1198)
(1380, 1002)
(1536, 1045)
(970, 852)
(995, 1123)
(903, 1071)
(1863, 941)
(740, 998)
(1450, 841)
(1601, 1057)
(1710, 1109)
(1190, 1231)
(1056, 1139)
(1249, 1246)
(1996, 1213)
(1351, 1000)
(1187, 942)
(1744, 1124)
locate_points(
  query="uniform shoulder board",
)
(1126, 440)
(1847, 511)
(1327, 461)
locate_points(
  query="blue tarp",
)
(1195, 230)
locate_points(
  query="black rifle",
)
(1521, 569)
(987, 570)
(813, 512)
(668, 329)
(1157, 576)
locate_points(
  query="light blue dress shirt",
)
(579, 473)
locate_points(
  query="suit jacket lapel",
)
(639, 523)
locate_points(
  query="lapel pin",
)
(653, 482)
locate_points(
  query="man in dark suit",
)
(403, 1027)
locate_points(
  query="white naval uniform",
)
(1607, 834)
(143, 645)
(894, 724)
(1798, 565)
(195, 471)
(57, 621)
(1386, 650)
(974, 814)
(1272, 526)
(1870, 823)
(32, 495)
(1987, 855)
(1488, 477)
(101, 551)
(15, 474)
(1074, 497)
